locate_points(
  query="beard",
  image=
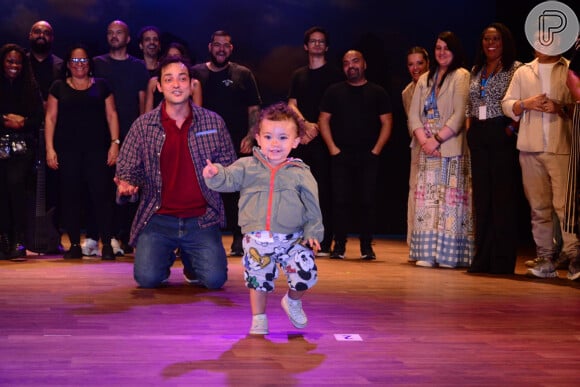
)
(353, 75)
(215, 62)
(40, 46)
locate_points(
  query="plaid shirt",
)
(138, 162)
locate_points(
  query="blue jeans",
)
(201, 248)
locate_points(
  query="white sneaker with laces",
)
(543, 269)
(90, 247)
(259, 325)
(117, 247)
(293, 309)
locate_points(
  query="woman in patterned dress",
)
(443, 225)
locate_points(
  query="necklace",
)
(87, 84)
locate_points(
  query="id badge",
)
(482, 112)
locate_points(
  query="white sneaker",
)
(543, 269)
(293, 309)
(259, 325)
(90, 247)
(424, 264)
(117, 248)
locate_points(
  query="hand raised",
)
(210, 170)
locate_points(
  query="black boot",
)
(107, 253)
(75, 252)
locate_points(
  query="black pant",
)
(76, 170)
(315, 155)
(494, 166)
(354, 183)
(15, 177)
(231, 200)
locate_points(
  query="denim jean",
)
(202, 248)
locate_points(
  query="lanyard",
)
(484, 79)
(431, 102)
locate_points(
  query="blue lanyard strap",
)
(431, 101)
(484, 79)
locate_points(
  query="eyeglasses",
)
(79, 60)
(317, 41)
(227, 46)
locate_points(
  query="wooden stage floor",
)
(85, 323)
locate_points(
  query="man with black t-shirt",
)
(128, 78)
(230, 90)
(355, 122)
(306, 90)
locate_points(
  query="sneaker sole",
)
(287, 310)
(424, 264)
(322, 254)
(190, 281)
(259, 332)
(539, 274)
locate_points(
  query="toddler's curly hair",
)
(279, 111)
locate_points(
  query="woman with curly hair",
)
(21, 109)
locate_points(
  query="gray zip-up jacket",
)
(281, 199)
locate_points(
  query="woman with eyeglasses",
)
(494, 164)
(82, 143)
(442, 233)
(21, 110)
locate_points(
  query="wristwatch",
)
(116, 141)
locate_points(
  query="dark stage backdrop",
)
(267, 37)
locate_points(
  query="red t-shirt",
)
(180, 193)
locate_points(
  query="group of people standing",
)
(468, 130)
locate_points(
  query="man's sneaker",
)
(117, 247)
(338, 251)
(293, 309)
(259, 325)
(543, 269)
(368, 255)
(90, 247)
(190, 277)
(532, 262)
(324, 248)
(574, 270)
(237, 248)
(561, 263)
